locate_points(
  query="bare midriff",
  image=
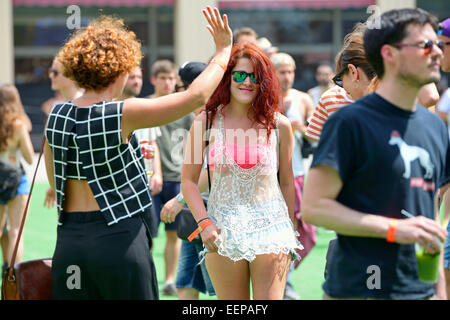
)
(79, 197)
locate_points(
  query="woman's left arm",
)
(285, 164)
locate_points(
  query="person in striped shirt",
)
(354, 79)
(332, 100)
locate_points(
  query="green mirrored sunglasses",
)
(240, 76)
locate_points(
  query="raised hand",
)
(219, 28)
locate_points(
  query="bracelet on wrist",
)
(392, 230)
(220, 64)
(180, 198)
(199, 229)
(199, 221)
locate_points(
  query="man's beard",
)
(415, 80)
(286, 86)
(129, 92)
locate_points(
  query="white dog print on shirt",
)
(411, 153)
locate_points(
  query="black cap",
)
(189, 71)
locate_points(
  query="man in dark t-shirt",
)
(377, 157)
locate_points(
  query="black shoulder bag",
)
(9, 181)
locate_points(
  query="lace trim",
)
(249, 253)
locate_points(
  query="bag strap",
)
(25, 211)
(208, 131)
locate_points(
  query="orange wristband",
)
(220, 64)
(392, 230)
(199, 229)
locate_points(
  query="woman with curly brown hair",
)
(95, 165)
(248, 229)
(15, 143)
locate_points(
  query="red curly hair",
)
(268, 100)
(95, 56)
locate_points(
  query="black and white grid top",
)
(114, 170)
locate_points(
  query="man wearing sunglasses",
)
(444, 112)
(65, 89)
(377, 158)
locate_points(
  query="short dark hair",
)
(390, 30)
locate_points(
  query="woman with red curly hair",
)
(248, 231)
(95, 165)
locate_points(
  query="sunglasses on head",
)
(53, 72)
(240, 76)
(427, 45)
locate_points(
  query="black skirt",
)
(94, 261)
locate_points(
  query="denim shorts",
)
(23, 188)
(170, 190)
(191, 274)
(447, 249)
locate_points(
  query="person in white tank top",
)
(297, 107)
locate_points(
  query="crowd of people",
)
(372, 123)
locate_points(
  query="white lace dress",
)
(246, 204)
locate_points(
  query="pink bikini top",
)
(245, 156)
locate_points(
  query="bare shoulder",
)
(199, 123)
(131, 102)
(19, 125)
(19, 129)
(201, 117)
(283, 123)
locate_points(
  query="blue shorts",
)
(447, 249)
(191, 274)
(23, 188)
(169, 190)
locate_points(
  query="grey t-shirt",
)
(170, 144)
